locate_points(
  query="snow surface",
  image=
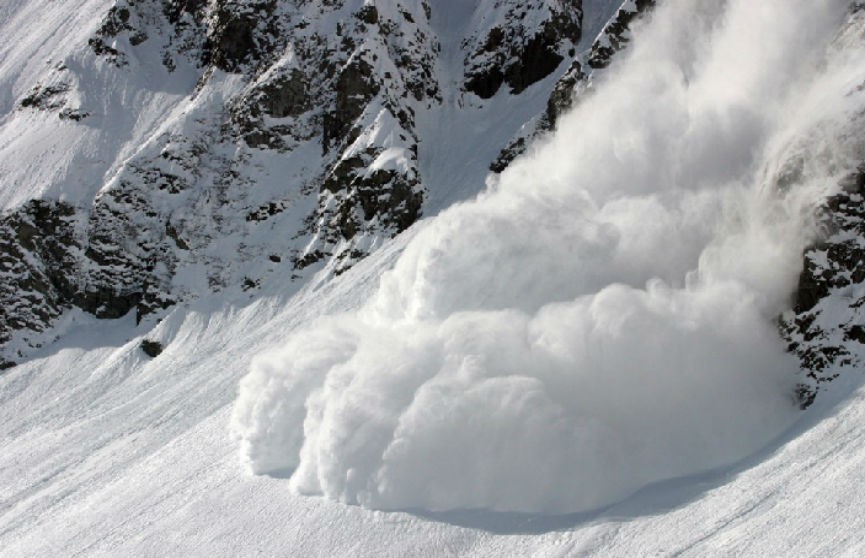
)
(70, 161)
(106, 452)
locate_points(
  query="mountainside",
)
(552, 277)
(191, 147)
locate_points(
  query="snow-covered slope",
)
(587, 359)
(205, 146)
(109, 453)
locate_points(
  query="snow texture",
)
(604, 316)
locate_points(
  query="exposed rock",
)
(519, 55)
(240, 33)
(577, 80)
(563, 95)
(539, 57)
(177, 10)
(75, 115)
(561, 99)
(265, 211)
(368, 14)
(617, 33)
(335, 84)
(39, 253)
(819, 335)
(286, 95)
(117, 21)
(354, 90)
(53, 97)
(359, 200)
(129, 261)
(46, 97)
(151, 348)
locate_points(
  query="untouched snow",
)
(72, 161)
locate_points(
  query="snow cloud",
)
(600, 318)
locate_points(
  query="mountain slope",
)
(186, 190)
(212, 146)
(108, 452)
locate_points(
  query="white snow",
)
(72, 161)
(108, 453)
(501, 362)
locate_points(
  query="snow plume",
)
(603, 316)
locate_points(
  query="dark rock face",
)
(320, 79)
(562, 98)
(286, 96)
(355, 88)
(364, 201)
(122, 18)
(39, 251)
(47, 97)
(129, 260)
(820, 336)
(54, 258)
(520, 56)
(375, 71)
(240, 33)
(540, 55)
(374, 193)
(176, 10)
(115, 22)
(53, 98)
(180, 27)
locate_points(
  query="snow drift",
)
(604, 315)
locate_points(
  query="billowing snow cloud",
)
(603, 316)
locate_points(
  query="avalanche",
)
(604, 316)
(595, 333)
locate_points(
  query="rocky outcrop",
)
(39, 255)
(120, 19)
(518, 51)
(356, 92)
(330, 90)
(577, 80)
(240, 33)
(376, 192)
(54, 97)
(564, 94)
(355, 88)
(151, 348)
(129, 260)
(826, 329)
(46, 97)
(617, 33)
(54, 258)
